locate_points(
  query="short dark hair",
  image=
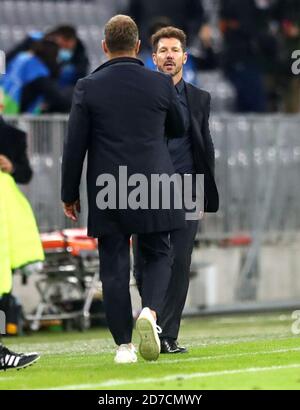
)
(168, 32)
(66, 31)
(121, 33)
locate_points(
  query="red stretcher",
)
(69, 281)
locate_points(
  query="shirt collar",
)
(180, 86)
(117, 60)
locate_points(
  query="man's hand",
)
(6, 165)
(70, 210)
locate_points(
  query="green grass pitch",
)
(254, 351)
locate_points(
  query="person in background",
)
(244, 25)
(72, 56)
(73, 62)
(24, 45)
(30, 84)
(188, 15)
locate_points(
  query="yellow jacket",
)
(20, 242)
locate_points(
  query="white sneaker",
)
(126, 353)
(149, 347)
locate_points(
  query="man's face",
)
(169, 57)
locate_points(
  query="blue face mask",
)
(64, 55)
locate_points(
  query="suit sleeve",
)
(75, 145)
(22, 170)
(175, 125)
(209, 146)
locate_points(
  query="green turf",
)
(228, 352)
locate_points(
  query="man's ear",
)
(154, 58)
(137, 47)
(104, 47)
(185, 57)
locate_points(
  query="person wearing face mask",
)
(72, 57)
(30, 83)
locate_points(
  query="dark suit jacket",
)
(120, 114)
(13, 146)
(203, 148)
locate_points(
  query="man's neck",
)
(177, 78)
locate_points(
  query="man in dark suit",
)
(192, 154)
(120, 114)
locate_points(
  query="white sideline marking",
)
(215, 357)
(94, 346)
(4, 379)
(226, 356)
(114, 383)
(252, 319)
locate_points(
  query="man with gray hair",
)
(120, 116)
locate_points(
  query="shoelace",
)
(159, 329)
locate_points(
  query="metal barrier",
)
(257, 172)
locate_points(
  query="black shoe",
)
(171, 346)
(11, 360)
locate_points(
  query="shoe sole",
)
(125, 362)
(175, 352)
(21, 367)
(149, 348)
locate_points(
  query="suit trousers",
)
(182, 243)
(114, 254)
